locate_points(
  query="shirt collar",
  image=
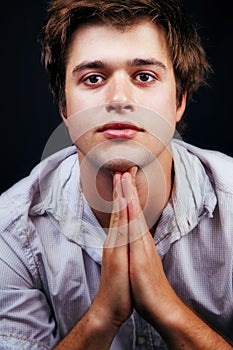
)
(192, 197)
(61, 198)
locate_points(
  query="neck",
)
(154, 184)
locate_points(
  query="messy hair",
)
(183, 42)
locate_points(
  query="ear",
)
(63, 115)
(181, 107)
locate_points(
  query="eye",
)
(145, 77)
(93, 79)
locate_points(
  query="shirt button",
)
(141, 340)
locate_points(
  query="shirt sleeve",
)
(27, 321)
(10, 343)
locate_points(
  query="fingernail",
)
(134, 170)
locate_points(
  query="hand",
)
(152, 294)
(114, 296)
(112, 305)
(132, 273)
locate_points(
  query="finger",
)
(129, 188)
(133, 172)
(126, 185)
(137, 223)
(118, 230)
(117, 190)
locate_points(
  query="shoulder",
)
(218, 166)
(17, 202)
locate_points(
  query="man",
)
(128, 245)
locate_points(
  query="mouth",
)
(116, 130)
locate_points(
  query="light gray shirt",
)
(51, 250)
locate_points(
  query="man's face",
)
(120, 95)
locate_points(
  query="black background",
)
(29, 115)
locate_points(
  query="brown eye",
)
(93, 79)
(145, 77)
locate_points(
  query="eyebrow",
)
(135, 62)
(139, 62)
(89, 65)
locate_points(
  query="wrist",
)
(101, 321)
(90, 333)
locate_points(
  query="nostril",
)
(128, 108)
(111, 108)
(119, 107)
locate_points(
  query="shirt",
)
(51, 250)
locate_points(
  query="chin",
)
(119, 164)
(111, 158)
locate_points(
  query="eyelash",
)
(151, 77)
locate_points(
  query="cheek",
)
(77, 101)
(73, 104)
(164, 105)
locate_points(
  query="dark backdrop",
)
(29, 115)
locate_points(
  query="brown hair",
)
(183, 42)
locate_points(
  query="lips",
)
(119, 130)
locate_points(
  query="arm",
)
(26, 317)
(153, 297)
(93, 331)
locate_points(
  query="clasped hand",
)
(132, 275)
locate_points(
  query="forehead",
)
(97, 41)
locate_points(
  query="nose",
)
(119, 95)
